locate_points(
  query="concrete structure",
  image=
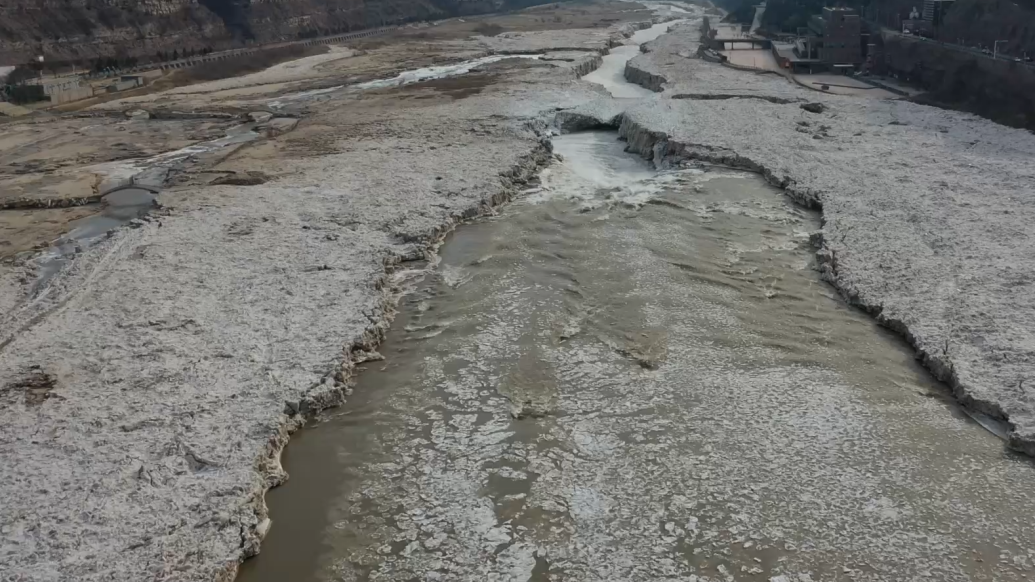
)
(57, 91)
(125, 83)
(832, 42)
(725, 37)
(69, 94)
(917, 26)
(732, 44)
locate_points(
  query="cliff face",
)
(62, 30)
(997, 89)
(987, 21)
(86, 29)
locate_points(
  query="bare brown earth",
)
(221, 69)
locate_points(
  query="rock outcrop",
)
(647, 80)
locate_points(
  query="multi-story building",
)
(934, 11)
(837, 37)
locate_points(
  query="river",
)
(637, 375)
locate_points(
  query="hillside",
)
(1000, 90)
(974, 21)
(987, 21)
(86, 29)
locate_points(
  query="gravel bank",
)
(926, 211)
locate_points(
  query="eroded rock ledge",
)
(643, 78)
(723, 96)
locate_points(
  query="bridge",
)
(732, 43)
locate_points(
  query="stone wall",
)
(67, 95)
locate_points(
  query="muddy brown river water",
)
(632, 375)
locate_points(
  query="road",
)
(960, 48)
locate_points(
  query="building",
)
(793, 56)
(835, 38)
(934, 11)
(69, 91)
(915, 24)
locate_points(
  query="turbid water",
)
(638, 376)
(120, 208)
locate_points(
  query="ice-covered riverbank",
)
(926, 211)
(633, 375)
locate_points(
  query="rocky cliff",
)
(64, 30)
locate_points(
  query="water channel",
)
(611, 73)
(634, 375)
